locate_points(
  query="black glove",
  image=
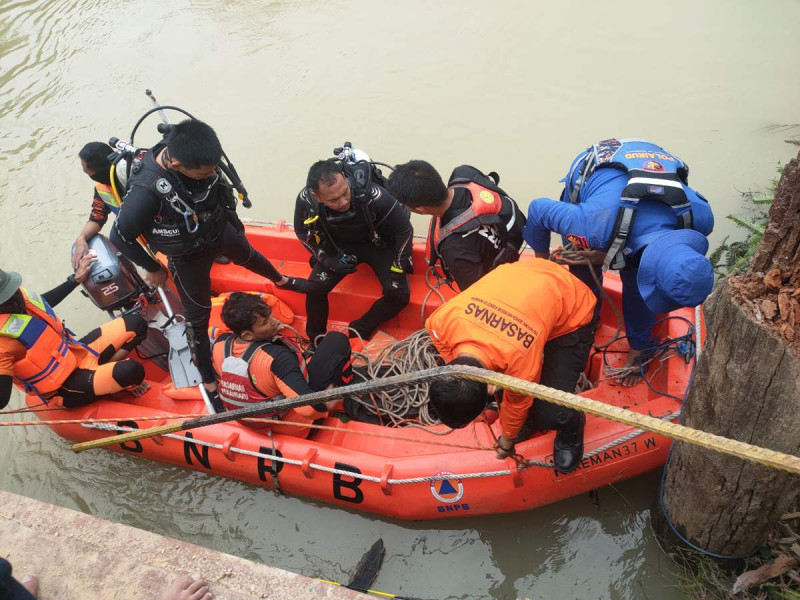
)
(398, 286)
(343, 264)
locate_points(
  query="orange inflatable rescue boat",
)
(404, 472)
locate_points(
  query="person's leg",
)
(564, 359)
(639, 321)
(87, 385)
(191, 274)
(113, 340)
(330, 366)
(320, 282)
(331, 363)
(396, 291)
(11, 589)
(584, 273)
(236, 246)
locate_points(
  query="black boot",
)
(568, 447)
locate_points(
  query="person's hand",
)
(505, 447)
(84, 267)
(78, 252)
(337, 264)
(156, 278)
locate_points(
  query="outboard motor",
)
(113, 283)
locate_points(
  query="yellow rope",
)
(675, 431)
(764, 456)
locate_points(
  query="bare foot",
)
(627, 375)
(31, 583)
(634, 374)
(187, 588)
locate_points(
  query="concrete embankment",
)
(80, 557)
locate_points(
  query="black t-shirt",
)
(469, 256)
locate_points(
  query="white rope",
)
(397, 406)
(372, 478)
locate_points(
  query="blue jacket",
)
(591, 222)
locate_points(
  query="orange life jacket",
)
(48, 360)
(484, 210)
(237, 387)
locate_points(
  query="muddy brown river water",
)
(516, 87)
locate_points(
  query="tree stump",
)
(745, 388)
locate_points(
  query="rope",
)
(402, 406)
(521, 464)
(433, 288)
(83, 421)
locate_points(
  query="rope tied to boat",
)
(522, 463)
(676, 431)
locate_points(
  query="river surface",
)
(516, 87)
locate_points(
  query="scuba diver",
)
(475, 225)
(344, 216)
(96, 163)
(40, 355)
(627, 205)
(178, 200)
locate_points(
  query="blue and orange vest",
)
(106, 194)
(48, 360)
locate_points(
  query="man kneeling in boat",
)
(532, 320)
(40, 355)
(254, 365)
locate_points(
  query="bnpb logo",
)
(447, 490)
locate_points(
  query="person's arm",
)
(513, 219)
(302, 209)
(392, 219)
(61, 291)
(136, 214)
(286, 371)
(703, 218)
(515, 407)
(82, 241)
(545, 216)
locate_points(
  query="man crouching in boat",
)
(254, 365)
(40, 355)
(532, 320)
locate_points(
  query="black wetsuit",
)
(220, 233)
(375, 230)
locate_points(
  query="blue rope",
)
(664, 477)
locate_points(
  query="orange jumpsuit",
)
(506, 318)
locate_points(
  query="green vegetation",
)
(731, 256)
